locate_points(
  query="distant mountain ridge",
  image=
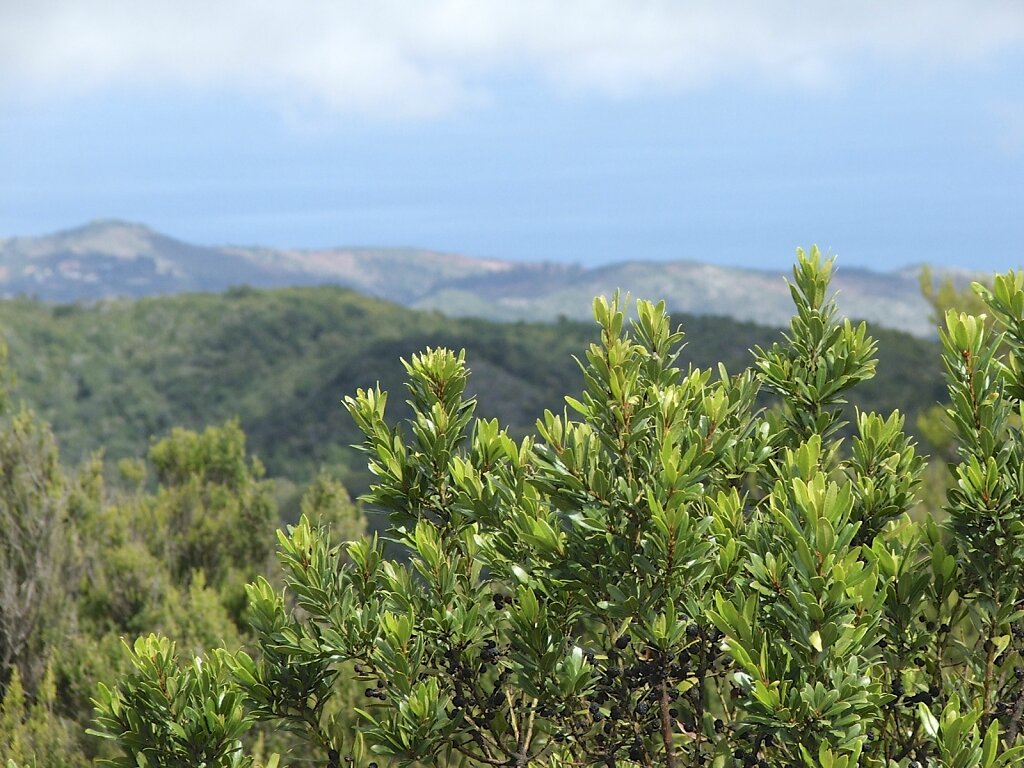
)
(107, 259)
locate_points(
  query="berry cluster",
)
(639, 687)
(471, 699)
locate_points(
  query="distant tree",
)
(213, 511)
(35, 548)
(944, 294)
(33, 734)
(38, 502)
(83, 564)
(326, 502)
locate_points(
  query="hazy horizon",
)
(726, 133)
(841, 263)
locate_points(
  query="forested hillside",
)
(116, 374)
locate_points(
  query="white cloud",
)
(414, 58)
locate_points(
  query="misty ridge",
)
(108, 259)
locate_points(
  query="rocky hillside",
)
(109, 258)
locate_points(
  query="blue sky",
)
(591, 132)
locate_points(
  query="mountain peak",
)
(105, 227)
(110, 237)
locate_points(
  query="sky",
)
(588, 131)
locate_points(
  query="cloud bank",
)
(404, 58)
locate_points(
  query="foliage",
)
(942, 296)
(164, 715)
(667, 573)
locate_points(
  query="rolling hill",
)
(107, 259)
(116, 373)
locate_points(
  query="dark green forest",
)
(118, 374)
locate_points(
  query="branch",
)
(667, 734)
(1015, 718)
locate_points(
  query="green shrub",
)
(666, 574)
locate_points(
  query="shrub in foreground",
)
(666, 574)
